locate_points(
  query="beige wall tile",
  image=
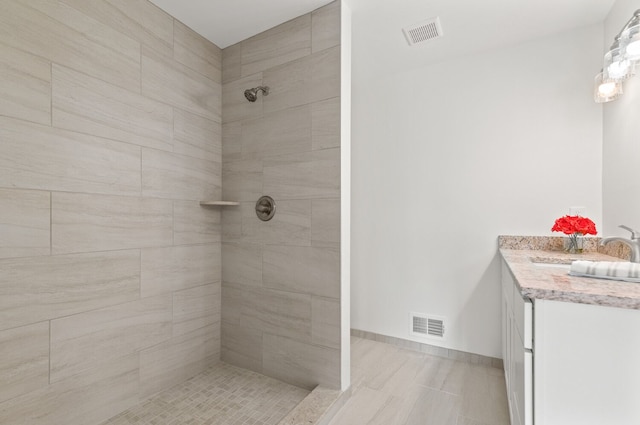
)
(325, 27)
(302, 269)
(166, 80)
(89, 398)
(139, 19)
(94, 396)
(282, 132)
(179, 267)
(310, 79)
(149, 22)
(292, 84)
(281, 313)
(88, 340)
(232, 141)
(291, 225)
(232, 221)
(242, 180)
(284, 43)
(196, 52)
(82, 223)
(173, 176)
(195, 224)
(176, 360)
(70, 38)
(325, 222)
(300, 364)
(231, 62)
(242, 346)
(234, 105)
(211, 335)
(267, 149)
(325, 127)
(42, 288)
(91, 106)
(243, 226)
(196, 136)
(314, 175)
(41, 157)
(87, 84)
(325, 74)
(232, 301)
(277, 312)
(24, 360)
(25, 86)
(25, 219)
(196, 308)
(325, 322)
(242, 263)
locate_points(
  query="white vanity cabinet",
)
(569, 363)
(586, 363)
(517, 344)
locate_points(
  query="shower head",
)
(252, 94)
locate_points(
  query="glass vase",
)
(574, 244)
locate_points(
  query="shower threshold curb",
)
(318, 408)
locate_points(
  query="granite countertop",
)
(550, 283)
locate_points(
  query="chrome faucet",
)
(633, 243)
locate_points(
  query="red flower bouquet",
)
(575, 226)
(570, 224)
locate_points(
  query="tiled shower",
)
(281, 278)
(116, 120)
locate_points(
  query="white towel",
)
(615, 270)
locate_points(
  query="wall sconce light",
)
(619, 62)
(606, 89)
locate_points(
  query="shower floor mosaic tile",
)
(221, 395)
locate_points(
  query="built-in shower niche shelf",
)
(219, 203)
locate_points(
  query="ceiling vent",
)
(424, 31)
(429, 326)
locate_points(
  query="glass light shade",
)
(606, 89)
(616, 64)
(630, 42)
(633, 50)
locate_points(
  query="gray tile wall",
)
(110, 271)
(281, 278)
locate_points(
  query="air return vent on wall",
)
(424, 31)
(428, 326)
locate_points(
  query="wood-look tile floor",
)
(396, 386)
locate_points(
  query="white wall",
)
(446, 158)
(621, 153)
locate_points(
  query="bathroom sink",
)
(556, 266)
(551, 263)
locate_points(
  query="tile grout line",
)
(49, 371)
(51, 94)
(50, 223)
